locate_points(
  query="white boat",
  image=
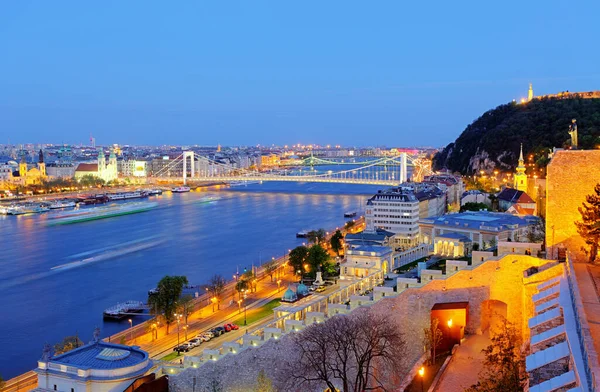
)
(350, 214)
(126, 195)
(89, 214)
(154, 192)
(120, 311)
(180, 189)
(15, 210)
(57, 204)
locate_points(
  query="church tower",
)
(42, 165)
(520, 183)
(530, 93)
(101, 163)
(23, 166)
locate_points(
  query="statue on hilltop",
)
(573, 133)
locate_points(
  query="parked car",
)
(182, 348)
(221, 330)
(230, 327)
(205, 337)
(195, 342)
(320, 289)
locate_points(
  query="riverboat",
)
(154, 192)
(126, 195)
(180, 189)
(89, 214)
(122, 310)
(58, 204)
(350, 214)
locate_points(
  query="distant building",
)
(516, 202)
(101, 169)
(481, 227)
(132, 168)
(95, 367)
(27, 175)
(270, 160)
(475, 196)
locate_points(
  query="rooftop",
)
(101, 355)
(477, 220)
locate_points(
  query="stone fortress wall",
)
(571, 175)
(571, 95)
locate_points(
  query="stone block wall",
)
(551, 370)
(553, 323)
(553, 341)
(571, 175)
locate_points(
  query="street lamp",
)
(422, 374)
(239, 302)
(154, 331)
(130, 329)
(178, 318)
(214, 301)
(185, 328)
(245, 307)
(278, 285)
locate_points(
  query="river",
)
(246, 225)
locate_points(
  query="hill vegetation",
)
(492, 141)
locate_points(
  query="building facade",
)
(397, 211)
(95, 367)
(104, 170)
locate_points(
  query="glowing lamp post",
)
(278, 285)
(130, 329)
(422, 375)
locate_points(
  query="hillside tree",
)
(166, 299)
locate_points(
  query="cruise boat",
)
(154, 192)
(58, 204)
(89, 214)
(350, 214)
(122, 310)
(15, 210)
(180, 189)
(126, 195)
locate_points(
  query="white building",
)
(397, 211)
(95, 367)
(6, 172)
(133, 168)
(364, 260)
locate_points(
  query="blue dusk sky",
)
(363, 73)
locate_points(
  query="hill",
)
(492, 141)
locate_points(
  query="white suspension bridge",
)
(386, 171)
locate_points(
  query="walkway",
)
(588, 281)
(465, 365)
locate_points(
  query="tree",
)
(263, 383)
(589, 227)
(91, 180)
(433, 338)
(271, 267)
(317, 256)
(166, 299)
(186, 305)
(2, 383)
(241, 286)
(336, 241)
(472, 206)
(504, 365)
(316, 236)
(69, 343)
(216, 286)
(537, 231)
(357, 352)
(297, 257)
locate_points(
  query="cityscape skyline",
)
(271, 73)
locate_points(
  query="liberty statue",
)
(573, 133)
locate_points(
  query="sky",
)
(355, 73)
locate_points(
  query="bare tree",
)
(358, 352)
(433, 338)
(216, 285)
(270, 268)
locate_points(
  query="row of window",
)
(377, 203)
(396, 210)
(396, 216)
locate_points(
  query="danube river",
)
(184, 236)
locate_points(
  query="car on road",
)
(230, 327)
(195, 342)
(217, 332)
(182, 348)
(320, 289)
(221, 330)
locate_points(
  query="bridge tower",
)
(403, 168)
(185, 156)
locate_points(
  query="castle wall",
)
(501, 281)
(571, 175)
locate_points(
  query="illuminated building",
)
(397, 211)
(101, 169)
(30, 176)
(520, 180)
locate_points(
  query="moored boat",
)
(302, 234)
(126, 195)
(122, 310)
(350, 214)
(154, 192)
(180, 189)
(58, 204)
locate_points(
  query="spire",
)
(23, 159)
(41, 156)
(521, 160)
